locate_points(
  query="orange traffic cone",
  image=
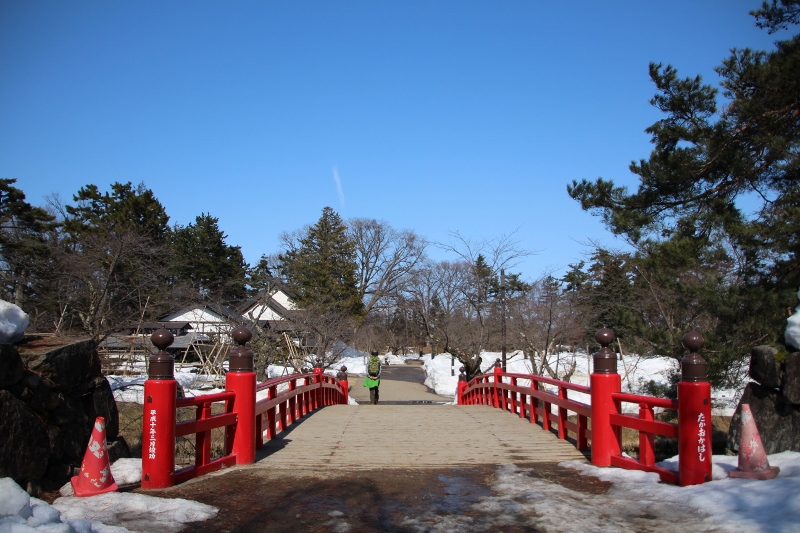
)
(753, 462)
(95, 476)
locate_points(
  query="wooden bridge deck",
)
(412, 436)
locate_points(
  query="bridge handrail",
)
(242, 417)
(693, 408)
(647, 427)
(512, 397)
(201, 427)
(551, 381)
(285, 407)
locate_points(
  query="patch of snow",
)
(104, 513)
(792, 334)
(13, 322)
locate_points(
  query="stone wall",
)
(774, 398)
(51, 391)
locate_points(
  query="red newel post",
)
(604, 381)
(498, 378)
(241, 379)
(462, 386)
(694, 416)
(158, 429)
(341, 376)
(319, 399)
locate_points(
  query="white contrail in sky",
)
(338, 182)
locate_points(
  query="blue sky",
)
(435, 116)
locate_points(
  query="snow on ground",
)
(635, 501)
(113, 512)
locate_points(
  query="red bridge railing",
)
(201, 427)
(244, 418)
(534, 402)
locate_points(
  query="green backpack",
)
(374, 366)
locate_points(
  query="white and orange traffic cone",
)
(95, 477)
(753, 462)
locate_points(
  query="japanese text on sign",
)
(151, 451)
(701, 437)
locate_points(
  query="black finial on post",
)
(498, 363)
(241, 357)
(162, 364)
(605, 360)
(693, 366)
(341, 375)
(462, 375)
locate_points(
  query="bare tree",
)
(385, 256)
(503, 252)
(485, 259)
(325, 333)
(546, 322)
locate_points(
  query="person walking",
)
(373, 377)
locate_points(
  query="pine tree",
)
(24, 251)
(112, 255)
(706, 157)
(321, 271)
(201, 256)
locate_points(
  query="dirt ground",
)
(393, 500)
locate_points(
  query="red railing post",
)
(513, 395)
(694, 416)
(308, 400)
(341, 376)
(534, 400)
(318, 398)
(292, 402)
(158, 430)
(498, 378)
(241, 379)
(604, 381)
(562, 415)
(647, 453)
(462, 386)
(202, 451)
(272, 424)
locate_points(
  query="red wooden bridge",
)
(548, 425)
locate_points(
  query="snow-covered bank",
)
(113, 512)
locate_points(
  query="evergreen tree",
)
(706, 157)
(201, 256)
(24, 249)
(321, 270)
(112, 255)
(123, 209)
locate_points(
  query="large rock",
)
(11, 368)
(777, 420)
(72, 367)
(54, 403)
(791, 378)
(764, 369)
(24, 446)
(101, 403)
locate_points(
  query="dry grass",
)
(130, 427)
